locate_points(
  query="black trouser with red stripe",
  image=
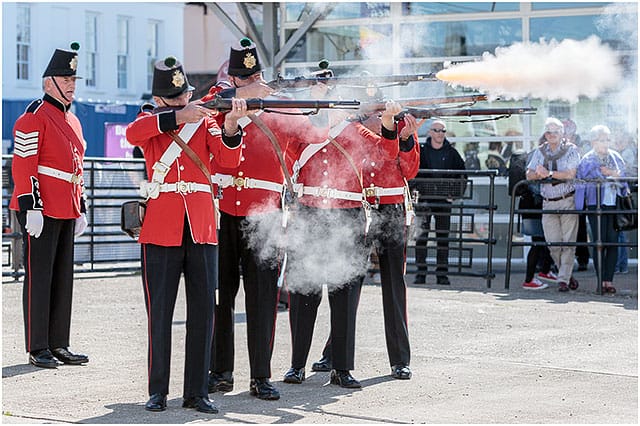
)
(161, 270)
(240, 248)
(388, 235)
(48, 283)
(343, 298)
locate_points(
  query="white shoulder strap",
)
(161, 167)
(312, 149)
(245, 121)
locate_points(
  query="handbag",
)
(626, 217)
(132, 216)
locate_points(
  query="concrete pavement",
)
(478, 356)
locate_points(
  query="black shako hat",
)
(243, 59)
(63, 63)
(169, 79)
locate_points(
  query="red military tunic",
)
(390, 174)
(260, 161)
(164, 218)
(329, 167)
(47, 136)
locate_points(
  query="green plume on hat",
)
(75, 46)
(170, 61)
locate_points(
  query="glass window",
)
(153, 34)
(460, 38)
(91, 49)
(256, 12)
(348, 10)
(561, 5)
(434, 8)
(123, 52)
(23, 41)
(341, 43)
(580, 28)
(359, 10)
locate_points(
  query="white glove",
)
(35, 222)
(81, 225)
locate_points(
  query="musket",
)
(359, 81)
(415, 102)
(466, 112)
(223, 104)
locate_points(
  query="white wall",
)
(56, 25)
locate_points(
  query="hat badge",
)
(178, 79)
(73, 64)
(249, 60)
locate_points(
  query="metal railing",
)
(108, 183)
(596, 239)
(455, 186)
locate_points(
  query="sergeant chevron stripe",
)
(26, 144)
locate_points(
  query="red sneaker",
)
(549, 276)
(534, 284)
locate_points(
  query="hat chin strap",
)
(59, 90)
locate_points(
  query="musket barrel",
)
(224, 104)
(418, 102)
(369, 80)
(464, 112)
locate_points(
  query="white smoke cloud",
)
(548, 70)
(323, 248)
(620, 22)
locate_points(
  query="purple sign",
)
(115, 142)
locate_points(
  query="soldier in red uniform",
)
(179, 230)
(392, 213)
(330, 186)
(47, 171)
(251, 219)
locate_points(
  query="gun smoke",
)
(317, 254)
(548, 70)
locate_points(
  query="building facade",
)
(119, 43)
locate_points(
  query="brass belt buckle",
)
(77, 179)
(370, 192)
(239, 182)
(182, 187)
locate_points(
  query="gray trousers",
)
(561, 228)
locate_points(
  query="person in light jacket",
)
(601, 163)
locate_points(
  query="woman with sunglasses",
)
(555, 163)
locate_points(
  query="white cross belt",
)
(59, 174)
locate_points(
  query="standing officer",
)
(385, 182)
(179, 230)
(251, 201)
(47, 171)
